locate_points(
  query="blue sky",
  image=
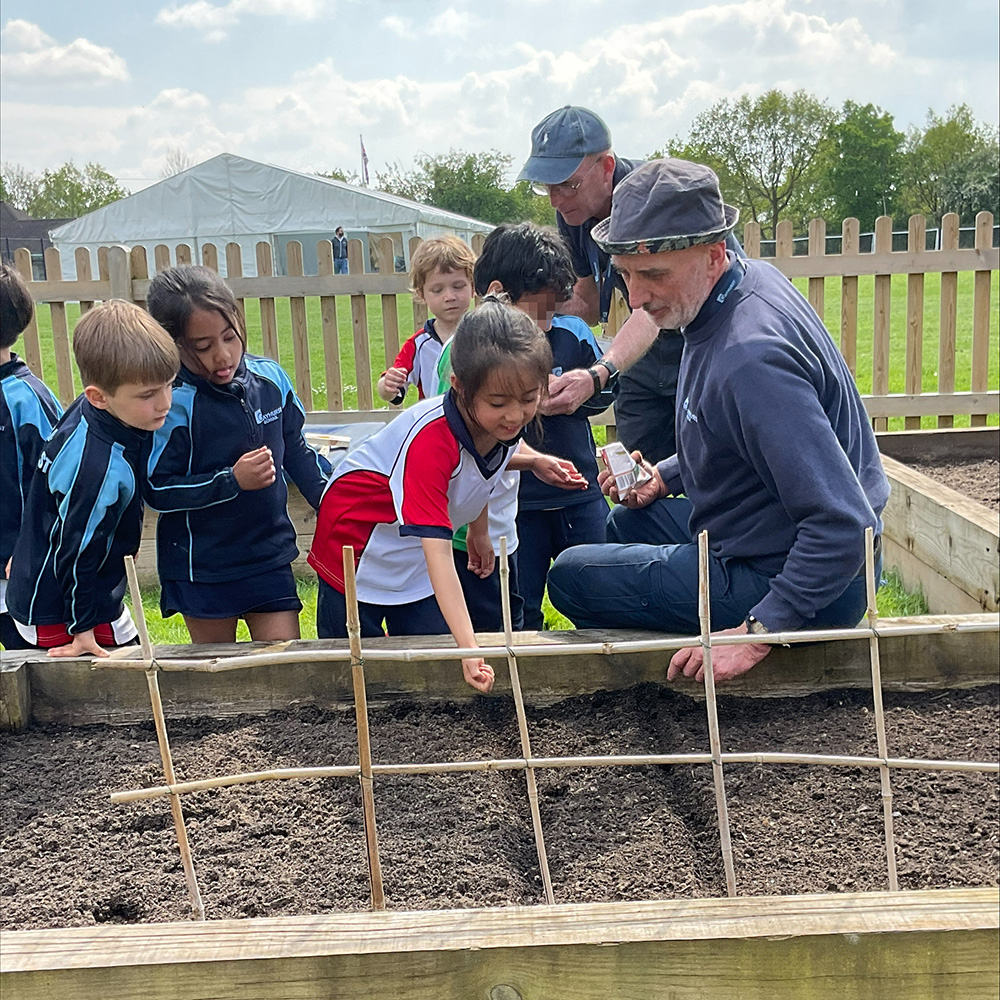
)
(294, 82)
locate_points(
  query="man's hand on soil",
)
(727, 661)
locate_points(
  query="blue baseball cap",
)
(559, 143)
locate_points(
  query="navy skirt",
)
(260, 594)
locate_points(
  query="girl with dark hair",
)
(397, 498)
(225, 543)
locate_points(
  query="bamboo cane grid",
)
(366, 770)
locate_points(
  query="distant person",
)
(398, 497)
(441, 278)
(84, 509)
(224, 541)
(28, 412)
(776, 458)
(573, 163)
(532, 266)
(339, 251)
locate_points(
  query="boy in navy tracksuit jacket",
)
(84, 509)
(533, 267)
(28, 412)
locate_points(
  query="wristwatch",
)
(756, 627)
(611, 367)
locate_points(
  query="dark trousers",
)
(543, 534)
(482, 597)
(633, 584)
(646, 399)
(421, 617)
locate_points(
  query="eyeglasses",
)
(566, 189)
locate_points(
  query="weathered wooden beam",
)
(952, 444)
(73, 692)
(875, 946)
(15, 697)
(947, 534)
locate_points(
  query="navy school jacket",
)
(209, 529)
(83, 515)
(28, 412)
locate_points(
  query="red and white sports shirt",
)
(415, 479)
(419, 356)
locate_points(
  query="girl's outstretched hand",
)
(478, 674)
(255, 469)
(558, 472)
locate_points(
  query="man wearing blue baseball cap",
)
(776, 457)
(572, 162)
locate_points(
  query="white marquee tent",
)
(229, 199)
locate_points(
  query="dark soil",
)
(463, 840)
(979, 480)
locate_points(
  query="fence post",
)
(947, 344)
(981, 316)
(751, 239)
(817, 286)
(850, 245)
(60, 332)
(916, 243)
(882, 318)
(32, 347)
(359, 322)
(83, 273)
(331, 331)
(300, 329)
(120, 273)
(390, 317)
(268, 316)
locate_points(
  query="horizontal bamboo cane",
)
(520, 764)
(243, 662)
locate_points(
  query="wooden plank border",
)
(921, 944)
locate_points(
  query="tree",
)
(70, 192)
(972, 185)
(766, 152)
(176, 161)
(863, 174)
(467, 183)
(938, 158)
(19, 186)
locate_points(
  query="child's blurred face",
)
(506, 403)
(211, 347)
(540, 306)
(447, 294)
(137, 404)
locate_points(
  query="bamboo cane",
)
(244, 662)
(364, 744)
(522, 763)
(704, 618)
(522, 723)
(190, 877)
(890, 840)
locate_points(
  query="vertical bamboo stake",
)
(197, 906)
(890, 842)
(364, 744)
(704, 618)
(522, 722)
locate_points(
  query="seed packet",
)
(627, 471)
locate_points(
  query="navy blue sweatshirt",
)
(28, 412)
(774, 448)
(84, 515)
(566, 435)
(209, 529)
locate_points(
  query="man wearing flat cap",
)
(776, 458)
(572, 163)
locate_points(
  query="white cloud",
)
(34, 57)
(215, 20)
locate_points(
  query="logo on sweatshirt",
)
(267, 418)
(688, 413)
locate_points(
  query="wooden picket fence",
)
(125, 274)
